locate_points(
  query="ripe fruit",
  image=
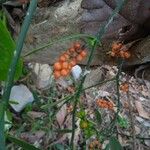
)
(73, 63)
(77, 45)
(62, 58)
(72, 50)
(57, 74)
(66, 56)
(64, 72)
(83, 53)
(68, 60)
(121, 53)
(79, 57)
(127, 55)
(117, 46)
(57, 66)
(65, 65)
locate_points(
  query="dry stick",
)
(11, 73)
(132, 121)
(137, 137)
(97, 39)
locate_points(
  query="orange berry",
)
(79, 57)
(62, 58)
(65, 65)
(71, 49)
(57, 74)
(66, 56)
(73, 63)
(57, 66)
(69, 66)
(77, 45)
(121, 53)
(83, 53)
(116, 46)
(127, 55)
(64, 72)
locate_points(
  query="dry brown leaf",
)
(32, 138)
(60, 116)
(141, 111)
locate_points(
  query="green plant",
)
(7, 49)
(51, 108)
(12, 70)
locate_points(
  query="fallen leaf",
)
(32, 138)
(60, 116)
(141, 111)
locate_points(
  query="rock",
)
(94, 77)
(97, 14)
(22, 96)
(128, 25)
(49, 24)
(76, 72)
(63, 83)
(147, 142)
(43, 75)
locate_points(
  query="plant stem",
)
(11, 73)
(58, 40)
(98, 38)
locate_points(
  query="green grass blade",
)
(7, 47)
(21, 143)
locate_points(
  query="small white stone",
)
(43, 73)
(22, 96)
(76, 72)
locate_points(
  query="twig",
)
(132, 121)
(137, 137)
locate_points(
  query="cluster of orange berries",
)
(124, 87)
(104, 104)
(69, 59)
(95, 144)
(117, 51)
